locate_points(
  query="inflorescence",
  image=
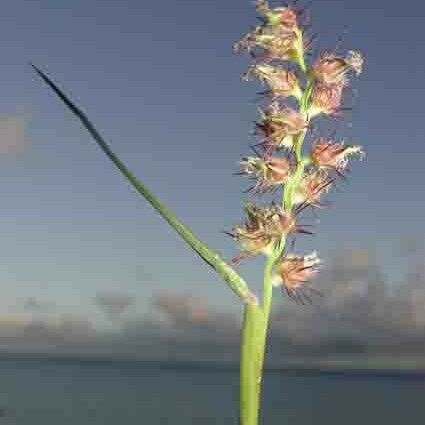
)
(296, 94)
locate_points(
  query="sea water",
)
(65, 392)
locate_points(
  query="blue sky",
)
(160, 81)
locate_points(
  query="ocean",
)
(65, 392)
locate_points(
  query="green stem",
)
(267, 284)
(267, 304)
(253, 347)
(235, 282)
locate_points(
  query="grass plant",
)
(296, 94)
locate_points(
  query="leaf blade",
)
(213, 259)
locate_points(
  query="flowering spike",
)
(311, 89)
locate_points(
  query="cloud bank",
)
(360, 314)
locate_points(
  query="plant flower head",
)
(326, 99)
(285, 16)
(279, 38)
(330, 78)
(270, 173)
(282, 82)
(278, 126)
(311, 187)
(331, 69)
(293, 274)
(263, 227)
(326, 154)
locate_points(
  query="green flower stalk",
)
(296, 94)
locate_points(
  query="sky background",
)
(160, 81)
